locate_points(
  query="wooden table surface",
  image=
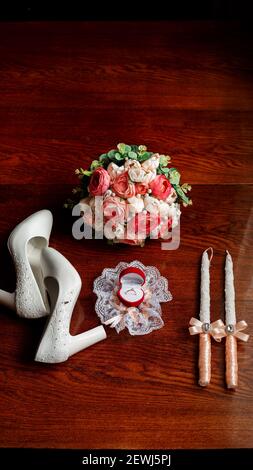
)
(70, 91)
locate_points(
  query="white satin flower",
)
(152, 163)
(174, 213)
(150, 176)
(151, 204)
(135, 206)
(135, 171)
(114, 170)
(164, 209)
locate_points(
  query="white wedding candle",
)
(204, 314)
(231, 342)
(229, 291)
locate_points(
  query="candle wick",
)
(211, 255)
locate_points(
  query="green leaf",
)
(174, 176)
(163, 171)
(144, 156)
(118, 156)
(164, 160)
(181, 194)
(166, 170)
(103, 157)
(95, 164)
(111, 153)
(121, 148)
(142, 149)
(132, 155)
(87, 172)
(186, 187)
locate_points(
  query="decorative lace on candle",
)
(139, 320)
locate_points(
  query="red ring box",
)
(130, 291)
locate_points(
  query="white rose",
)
(114, 170)
(151, 204)
(135, 206)
(174, 213)
(135, 171)
(150, 176)
(129, 163)
(152, 163)
(164, 209)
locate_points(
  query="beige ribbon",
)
(238, 328)
(237, 333)
(216, 329)
(231, 352)
(114, 320)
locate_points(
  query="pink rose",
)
(115, 208)
(141, 188)
(160, 187)
(99, 182)
(123, 187)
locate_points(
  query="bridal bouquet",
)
(131, 194)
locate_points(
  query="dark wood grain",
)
(69, 91)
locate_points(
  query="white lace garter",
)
(139, 320)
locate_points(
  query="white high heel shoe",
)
(25, 245)
(63, 284)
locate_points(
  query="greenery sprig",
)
(132, 152)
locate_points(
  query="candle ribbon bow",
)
(216, 329)
(237, 331)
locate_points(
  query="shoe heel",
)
(63, 285)
(86, 339)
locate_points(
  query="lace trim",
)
(138, 320)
